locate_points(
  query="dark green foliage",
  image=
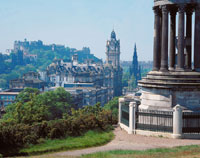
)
(36, 117)
(17, 134)
(13, 73)
(31, 107)
(27, 94)
(113, 106)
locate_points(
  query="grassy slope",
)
(178, 152)
(91, 138)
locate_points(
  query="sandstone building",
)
(100, 81)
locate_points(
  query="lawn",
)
(178, 152)
(91, 138)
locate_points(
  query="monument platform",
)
(164, 90)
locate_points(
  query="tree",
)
(31, 106)
(132, 83)
(57, 102)
(25, 95)
(113, 105)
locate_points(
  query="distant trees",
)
(128, 81)
(31, 106)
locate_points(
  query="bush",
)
(113, 106)
(16, 136)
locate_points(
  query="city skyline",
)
(80, 23)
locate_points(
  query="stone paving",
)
(124, 141)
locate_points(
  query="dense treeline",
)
(35, 117)
(129, 81)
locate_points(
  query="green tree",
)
(57, 102)
(33, 107)
(27, 94)
(132, 83)
(113, 105)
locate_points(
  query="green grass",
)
(91, 138)
(152, 153)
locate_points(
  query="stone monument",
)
(174, 78)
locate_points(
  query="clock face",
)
(112, 47)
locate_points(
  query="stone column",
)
(132, 117)
(188, 61)
(172, 39)
(177, 122)
(121, 100)
(164, 49)
(197, 39)
(156, 50)
(181, 37)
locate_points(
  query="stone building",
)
(135, 69)
(30, 79)
(103, 82)
(84, 81)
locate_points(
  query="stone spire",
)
(134, 68)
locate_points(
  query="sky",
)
(80, 23)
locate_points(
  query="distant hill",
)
(36, 56)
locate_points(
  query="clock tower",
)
(113, 73)
(113, 51)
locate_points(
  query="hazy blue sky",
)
(78, 23)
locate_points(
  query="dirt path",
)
(124, 141)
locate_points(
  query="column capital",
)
(173, 11)
(165, 9)
(181, 8)
(197, 8)
(132, 104)
(189, 11)
(121, 100)
(157, 10)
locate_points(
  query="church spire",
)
(135, 50)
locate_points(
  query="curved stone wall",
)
(168, 2)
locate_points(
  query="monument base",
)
(165, 90)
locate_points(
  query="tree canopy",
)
(31, 106)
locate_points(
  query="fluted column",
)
(164, 46)
(197, 39)
(156, 50)
(181, 40)
(188, 38)
(172, 39)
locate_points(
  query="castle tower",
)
(113, 51)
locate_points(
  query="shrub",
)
(16, 136)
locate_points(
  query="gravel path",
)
(125, 141)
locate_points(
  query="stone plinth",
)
(164, 90)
